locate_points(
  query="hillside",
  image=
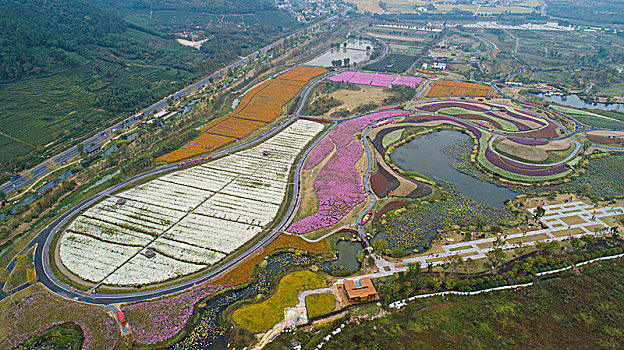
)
(68, 66)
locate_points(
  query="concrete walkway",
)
(557, 229)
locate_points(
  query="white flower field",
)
(190, 219)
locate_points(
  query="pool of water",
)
(426, 156)
(209, 332)
(575, 101)
(347, 256)
(33, 196)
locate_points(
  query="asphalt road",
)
(44, 239)
(48, 166)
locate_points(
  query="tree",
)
(344, 44)
(470, 265)
(347, 61)
(455, 261)
(379, 245)
(521, 248)
(586, 189)
(2, 196)
(539, 212)
(614, 230)
(80, 148)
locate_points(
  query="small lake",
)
(426, 156)
(575, 101)
(347, 256)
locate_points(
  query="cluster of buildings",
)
(306, 10)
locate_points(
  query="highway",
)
(48, 166)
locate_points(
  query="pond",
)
(209, 332)
(355, 51)
(347, 257)
(31, 198)
(575, 101)
(425, 155)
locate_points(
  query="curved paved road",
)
(45, 237)
(50, 165)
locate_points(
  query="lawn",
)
(272, 309)
(320, 304)
(24, 271)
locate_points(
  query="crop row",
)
(190, 218)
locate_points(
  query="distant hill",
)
(597, 11)
(68, 66)
(208, 6)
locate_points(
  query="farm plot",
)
(378, 79)
(258, 107)
(449, 88)
(395, 63)
(184, 221)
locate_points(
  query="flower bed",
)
(550, 131)
(321, 151)
(343, 77)
(261, 104)
(379, 79)
(471, 106)
(319, 304)
(604, 140)
(362, 78)
(193, 216)
(39, 311)
(272, 309)
(337, 184)
(243, 271)
(407, 81)
(386, 208)
(496, 160)
(528, 142)
(382, 182)
(155, 321)
(383, 80)
(236, 128)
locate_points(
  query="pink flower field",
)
(362, 78)
(383, 80)
(155, 321)
(408, 81)
(320, 152)
(337, 184)
(342, 77)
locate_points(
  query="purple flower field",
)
(320, 152)
(37, 312)
(155, 321)
(337, 184)
(528, 142)
(498, 162)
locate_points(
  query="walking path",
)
(563, 221)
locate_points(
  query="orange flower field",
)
(259, 106)
(448, 88)
(236, 127)
(242, 272)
